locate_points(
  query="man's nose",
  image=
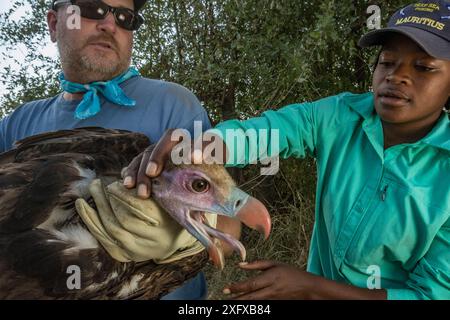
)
(108, 24)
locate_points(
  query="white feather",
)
(56, 217)
(79, 236)
(130, 286)
(80, 188)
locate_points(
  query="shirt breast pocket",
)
(398, 226)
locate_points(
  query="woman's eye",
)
(386, 63)
(424, 68)
(200, 185)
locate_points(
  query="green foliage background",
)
(240, 57)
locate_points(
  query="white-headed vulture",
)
(42, 235)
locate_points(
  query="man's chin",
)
(88, 64)
(102, 70)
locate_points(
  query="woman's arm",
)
(290, 131)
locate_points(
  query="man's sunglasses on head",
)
(98, 10)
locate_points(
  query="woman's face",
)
(410, 87)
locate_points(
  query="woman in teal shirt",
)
(382, 227)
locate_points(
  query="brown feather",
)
(39, 181)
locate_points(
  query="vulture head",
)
(43, 236)
(187, 192)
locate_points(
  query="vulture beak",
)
(239, 205)
(255, 215)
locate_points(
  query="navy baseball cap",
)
(427, 23)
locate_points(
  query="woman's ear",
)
(52, 19)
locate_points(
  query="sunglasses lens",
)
(92, 9)
(125, 18)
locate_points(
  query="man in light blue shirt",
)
(159, 105)
(100, 88)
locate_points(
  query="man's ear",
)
(52, 19)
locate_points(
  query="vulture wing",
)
(45, 248)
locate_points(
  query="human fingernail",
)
(226, 291)
(151, 169)
(128, 181)
(243, 263)
(142, 190)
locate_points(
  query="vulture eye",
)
(200, 185)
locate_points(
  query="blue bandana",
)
(90, 105)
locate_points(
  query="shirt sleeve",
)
(3, 134)
(430, 278)
(11, 128)
(186, 111)
(290, 131)
(200, 119)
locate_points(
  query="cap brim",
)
(434, 45)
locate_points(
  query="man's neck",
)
(88, 77)
(73, 96)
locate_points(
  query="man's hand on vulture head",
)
(188, 192)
